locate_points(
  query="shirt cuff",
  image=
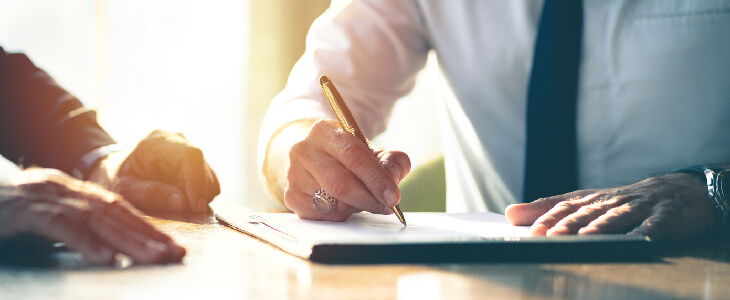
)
(88, 160)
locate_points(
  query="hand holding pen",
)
(322, 201)
(336, 161)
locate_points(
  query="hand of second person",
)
(164, 172)
(85, 216)
(671, 208)
(344, 167)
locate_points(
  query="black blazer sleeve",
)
(41, 124)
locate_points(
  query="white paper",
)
(371, 228)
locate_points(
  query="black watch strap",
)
(717, 180)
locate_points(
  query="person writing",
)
(574, 117)
(48, 131)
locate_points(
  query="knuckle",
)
(48, 217)
(289, 197)
(354, 155)
(565, 205)
(291, 174)
(297, 150)
(49, 183)
(618, 210)
(157, 133)
(379, 183)
(142, 190)
(338, 186)
(319, 167)
(194, 154)
(600, 197)
(376, 207)
(180, 136)
(112, 205)
(622, 199)
(547, 222)
(546, 219)
(588, 209)
(666, 208)
(91, 216)
(54, 175)
(568, 223)
(53, 179)
(653, 181)
(321, 126)
(402, 160)
(611, 201)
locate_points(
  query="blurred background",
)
(205, 68)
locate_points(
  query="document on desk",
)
(429, 237)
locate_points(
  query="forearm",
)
(276, 160)
(42, 123)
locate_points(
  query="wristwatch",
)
(717, 180)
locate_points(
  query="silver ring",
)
(323, 202)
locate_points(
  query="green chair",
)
(424, 189)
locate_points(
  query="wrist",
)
(91, 160)
(276, 159)
(717, 181)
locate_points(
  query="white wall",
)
(168, 64)
(178, 65)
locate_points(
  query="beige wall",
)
(277, 34)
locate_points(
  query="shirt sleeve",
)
(41, 124)
(371, 50)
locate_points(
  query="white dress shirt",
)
(654, 90)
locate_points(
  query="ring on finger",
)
(323, 202)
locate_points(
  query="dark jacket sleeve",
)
(41, 124)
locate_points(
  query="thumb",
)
(152, 195)
(524, 214)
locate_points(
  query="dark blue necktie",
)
(551, 166)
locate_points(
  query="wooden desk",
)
(224, 263)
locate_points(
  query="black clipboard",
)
(288, 233)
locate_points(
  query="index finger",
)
(192, 167)
(119, 224)
(356, 157)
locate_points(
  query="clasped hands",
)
(670, 208)
(99, 219)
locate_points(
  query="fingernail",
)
(175, 202)
(390, 196)
(161, 247)
(177, 252)
(396, 171)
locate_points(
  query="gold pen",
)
(348, 123)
